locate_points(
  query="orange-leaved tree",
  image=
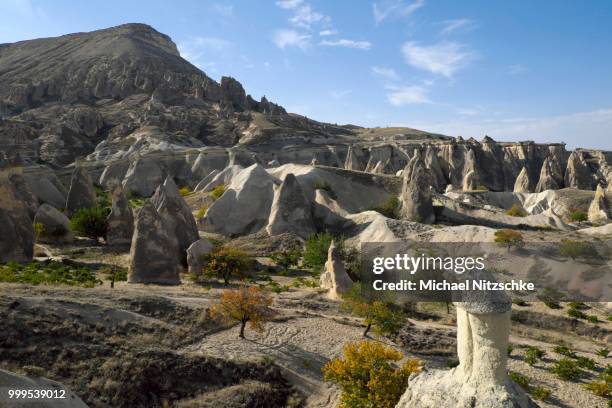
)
(368, 375)
(245, 305)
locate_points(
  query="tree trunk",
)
(368, 327)
(113, 281)
(242, 326)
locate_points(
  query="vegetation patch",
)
(48, 273)
(90, 222)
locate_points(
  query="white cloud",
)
(385, 72)
(443, 58)
(360, 45)
(304, 16)
(200, 50)
(339, 94)
(325, 33)
(291, 38)
(407, 95)
(582, 129)
(288, 4)
(394, 8)
(453, 25)
(226, 10)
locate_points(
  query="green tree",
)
(509, 238)
(90, 222)
(245, 305)
(381, 316)
(315, 250)
(286, 258)
(578, 216)
(226, 263)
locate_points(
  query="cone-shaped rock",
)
(81, 193)
(523, 183)
(335, 279)
(16, 230)
(577, 173)
(547, 179)
(599, 208)
(152, 254)
(177, 216)
(55, 225)
(195, 252)
(354, 159)
(416, 195)
(120, 220)
(143, 177)
(433, 165)
(291, 211)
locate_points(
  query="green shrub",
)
(286, 258)
(585, 362)
(603, 352)
(601, 388)
(576, 314)
(509, 237)
(533, 355)
(226, 263)
(578, 216)
(517, 210)
(519, 379)
(48, 273)
(565, 351)
(540, 393)
(184, 191)
(218, 191)
(452, 362)
(389, 208)
(90, 222)
(577, 305)
(566, 369)
(324, 185)
(510, 349)
(550, 297)
(315, 250)
(201, 212)
(519, 302)
(577, 249)
(592, 319)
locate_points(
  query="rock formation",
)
(415, 199)
(143, 177)
(577, 173)
(245, 205)
(16, 230)
(47, 189)
(203, 182)
(599, 210)
(81, 193)
(55, 225)
(471, 178)
(153, 252)
(335, 279)
(547, 179)
(354, 159)
(291, 211)
(481, 379)
(433, 165)
(120, 219)
(195, 252)
(177, 216)
(523, 183)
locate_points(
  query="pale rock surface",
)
(195, 252)
(599, 208)
(9, 380)
(143, 177)
(354, 159)
(335, 279)
(45, 188)
(56, 226)
(114, 173)
(577, 172)
(547, 179)
(153, 252)
(291, 211)
(81, 193)
(202, 183)
(245, 205)
(120, 219)
(416, 204)
(225, 176)
(433, 165)
(16, 230)
(523, 183)
(177, 216)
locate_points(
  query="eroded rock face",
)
(177, 216)
(577, 173)
(120, 220)
(433, 165)
(143, 177)
(45, 188)
(16, 230)
(153, 252)
(195, 252)
(416, 195)
(354, 159)
(291, 211)
(55, 225)
(599, 210)
(81, 193)
(335, 279)
(547, 179)
(523, 183)
(480, 380)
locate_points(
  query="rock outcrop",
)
(177, 217)
(291, 211)
(120, 220)
(481, 379)
(207, 179)
(143, 177)
(416, 203)
(195, 252)
(354, 159)
(577, 173)
(153, 252)
(547, 179)
(335, 279)
(523, 183)
(81, 193)
(47, 188)
(433, 165)
(16, 230)
(55, 226)
(599, 208)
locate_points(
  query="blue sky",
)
(516, 70)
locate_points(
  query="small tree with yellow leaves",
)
(245, 305)
(368, 375)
